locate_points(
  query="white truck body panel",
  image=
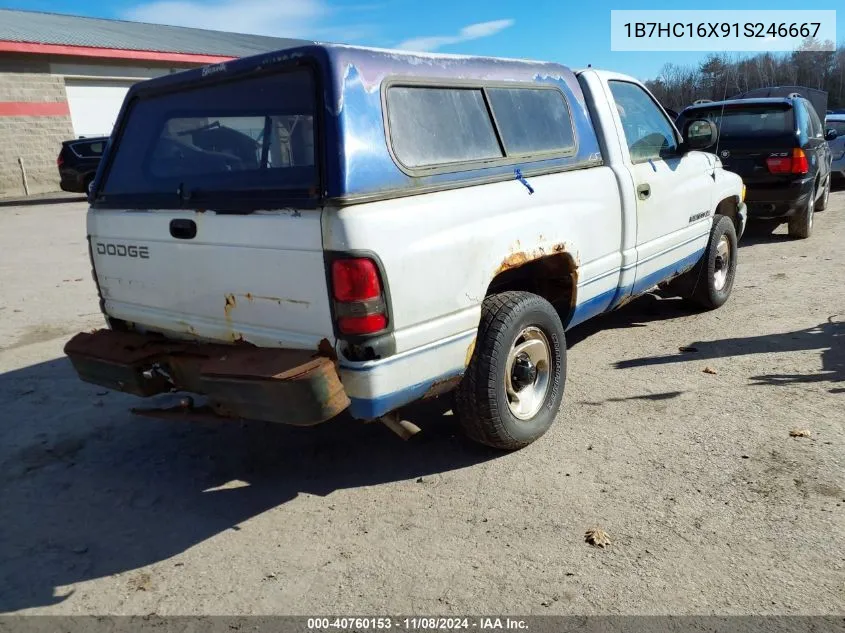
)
(261, 277)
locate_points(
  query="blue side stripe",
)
(371, 408)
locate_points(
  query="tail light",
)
(358, 296)
(795, 164)
(60, 161)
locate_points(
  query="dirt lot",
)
(710, 504)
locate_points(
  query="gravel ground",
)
(710, 505)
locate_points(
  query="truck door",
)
(673, 189)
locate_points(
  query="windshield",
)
(248, 139)
(748, 121)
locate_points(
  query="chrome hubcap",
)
(527, 373)
(723, 263)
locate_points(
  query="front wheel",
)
(718, 267)
(513, 386)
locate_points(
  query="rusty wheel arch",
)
(551, 273)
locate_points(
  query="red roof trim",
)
(108, 53)
(34, 108)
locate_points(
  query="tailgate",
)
(259, 278)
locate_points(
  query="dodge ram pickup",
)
(331, 228)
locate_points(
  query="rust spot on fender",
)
(519, 258)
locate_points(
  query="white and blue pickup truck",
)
(334, 228)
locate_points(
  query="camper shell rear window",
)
(245, 142)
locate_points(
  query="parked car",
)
(837, 145)
(778, 146)
(404, 225)
(78, 161)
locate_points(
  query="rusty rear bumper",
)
(276, 385)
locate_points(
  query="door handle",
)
(183, 229)
(643, 191)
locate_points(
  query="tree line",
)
(722, 75)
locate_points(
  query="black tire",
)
(481, 400)
(710, 293)
(801, 224)
(821, 205)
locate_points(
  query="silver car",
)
(837, 145)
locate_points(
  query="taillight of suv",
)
(795, 164)
(358, 295)
(60, 160)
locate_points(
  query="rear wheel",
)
(801, 224)
(513, 386)
(821, 205)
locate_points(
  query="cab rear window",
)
(243, 139)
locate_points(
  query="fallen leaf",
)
(799, 433)
(597, 537)
(709, 370)
(687, 349)
(141, 582)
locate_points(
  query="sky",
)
(573, 33)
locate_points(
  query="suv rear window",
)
(775, 120)
(246, 139)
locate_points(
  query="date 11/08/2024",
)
(415, 624)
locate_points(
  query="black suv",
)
(78, 161)
(779, 148)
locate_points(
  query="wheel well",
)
(553, 277)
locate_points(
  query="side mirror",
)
(830, 134)
(700, 134)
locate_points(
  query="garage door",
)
(94, 104)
